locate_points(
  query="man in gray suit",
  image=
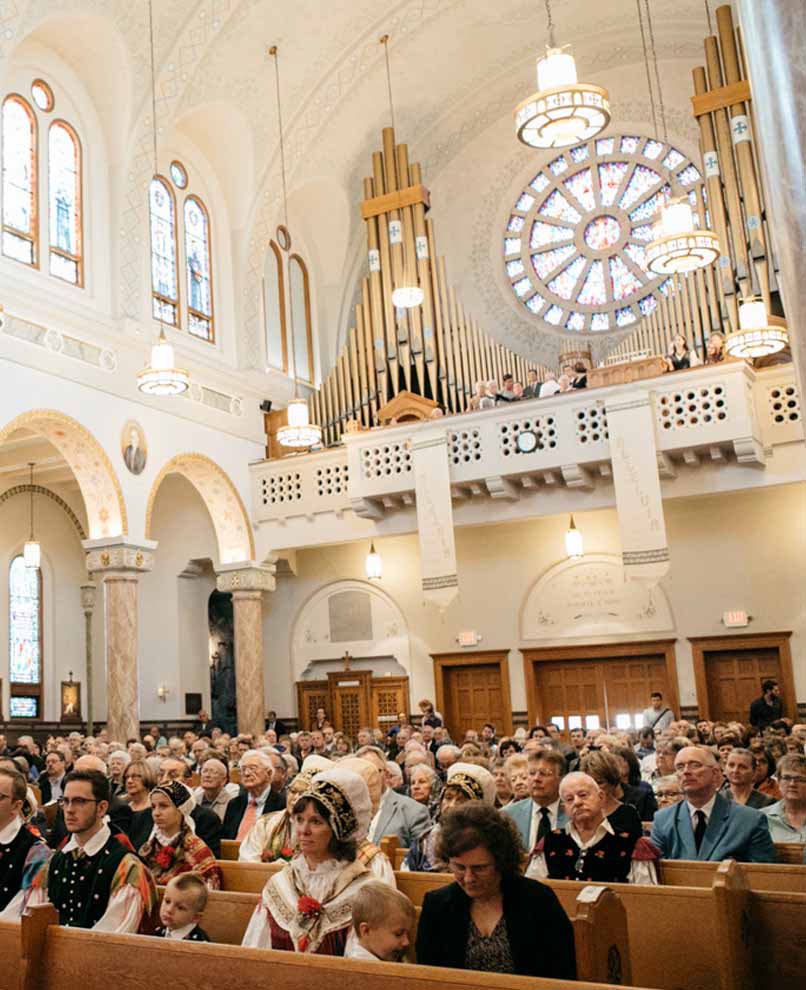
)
(538, 814)
(706, 825)
(397, 814)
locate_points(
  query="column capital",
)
(89, 594)
(246, 576)
(115, 554)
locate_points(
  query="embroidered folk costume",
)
(184, 852)
(308, 908)
(23, 853)
(607, 857)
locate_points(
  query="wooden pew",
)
(9, 956)
(777, 877)
(230, 848)
(791, 852)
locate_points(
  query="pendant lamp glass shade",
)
(160, 377)
(756, 337)
(677, 245)
(31, 554)
(300, 431)
(573, 541)
(373, 565)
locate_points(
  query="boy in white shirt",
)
(383, 920)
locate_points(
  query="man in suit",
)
(255, 798)
(542, 811)
(397, 814)
(204, 725)
(51, 781)
(272, 722)
(532, 390)
(119, 813)
(706, 825)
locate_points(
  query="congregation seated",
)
(214, 791)
(740, 768)
(23, 852)
(397, 814)
(787, 818)
(491, 917)
(542, 811)
(139, 779)
(588, 847)
(605, 769)
(667, 791)
(255, 796)
(206, 822)
(51, 781)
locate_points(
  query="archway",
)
(227, 511)
(97, 480)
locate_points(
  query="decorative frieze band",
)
(104, 556)
(246, 577)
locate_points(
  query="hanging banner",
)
(432, 485)
(631, 425)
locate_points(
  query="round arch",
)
(97, 480)
(230, 519)
(40, 490)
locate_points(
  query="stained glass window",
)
(19, 181)
(300, 300)
(589, 215)
(24, 636)
(42, 95)
(179, 175)
(276, 348)
(164, 281)
(22, 706)
(197, 269)
(64, 202)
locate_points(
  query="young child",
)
(383, 921)
(182, 907)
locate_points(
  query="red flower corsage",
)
(287, 852)
(600, 854)
(309, 907)
(164, 857)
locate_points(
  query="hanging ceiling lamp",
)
(373, 565)
(677, 245)
(408, 293)
(573, 541)
(756, 337)
(31, 553)
(299, 432)
(160, 376)
(563, 111)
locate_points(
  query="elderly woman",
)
(466, 782)
(787, 817)
(517, 768)
(306, 907)
(667, 791)
(117, 763)
(271, 838)
(173, 846)
(492, 918)
(424, 787)
(606, 771)
(740, 770)
(588, 847)
(139, 778)
(503, 792)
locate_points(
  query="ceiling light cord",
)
(647, 69)
(657, 73)
(31, 489)
(550, 25)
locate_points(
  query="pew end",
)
(601, 938)
(732, 908)
(230, 849)
(33, 936)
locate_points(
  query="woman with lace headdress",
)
(307, 906)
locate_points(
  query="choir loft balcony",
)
(717, 429)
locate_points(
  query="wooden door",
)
(629, 683)
(310, 696)
(734, 680)
(473, 696)
(388, 697)
(350, 693)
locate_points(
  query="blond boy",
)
(383, 921)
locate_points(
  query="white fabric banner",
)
(644, 550)
(432, 485)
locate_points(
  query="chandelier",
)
(563, 111)
(31, 553)
(756, 337)
(160, 376)
(678, 245)
(299, 432)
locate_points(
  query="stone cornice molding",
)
(107, 556)
(249, 577)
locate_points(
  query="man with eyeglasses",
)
(787, 817)
(542, 811)
(255, 798)
(707, 825)
(94, 882)
(22, 852)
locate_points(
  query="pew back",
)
(760, 876)
(230, 849)
(9, 956)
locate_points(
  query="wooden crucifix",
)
(347, 659)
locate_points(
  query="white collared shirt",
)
(554, 812)
(706, 808)
(180, 933)
(9, 833)
(357, 951)
(374, 823)
(93, 845)
(261, 800)
(56, 787)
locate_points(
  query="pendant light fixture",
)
(677, 245)
(31, 553)
(160, 376)
(563, 111)
(373, 565)
(756, 337)
(574, 546)
(408, 293)
(299, 432)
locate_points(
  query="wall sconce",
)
(373, 564)
(573, 541)
(162, 692)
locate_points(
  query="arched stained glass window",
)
(575, 239)
(25, 639)
(164, 279)
(198, 269)
(274, 295)
(301, 318)
(64, 202)
(19, 181)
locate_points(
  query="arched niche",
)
(227, 511)
(589, 598)
(97, 480)
(353, 617)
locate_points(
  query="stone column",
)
(119, 564)
(774, 37)
(88, 594)
(247, 583)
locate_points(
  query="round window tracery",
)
(574, 244)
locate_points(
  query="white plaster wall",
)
(745, 550)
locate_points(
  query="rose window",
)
(574, 245)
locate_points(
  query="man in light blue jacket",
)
(706, 825)
(538, 814)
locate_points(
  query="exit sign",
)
(468, 638)
(735, 618)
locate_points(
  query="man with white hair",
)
(587, 847)
(447, 755)
(255, 797)
(394, 775)
(706, 825)
(215, 793)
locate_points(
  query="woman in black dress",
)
(605, 769)
(492, 918)
(139, 779)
